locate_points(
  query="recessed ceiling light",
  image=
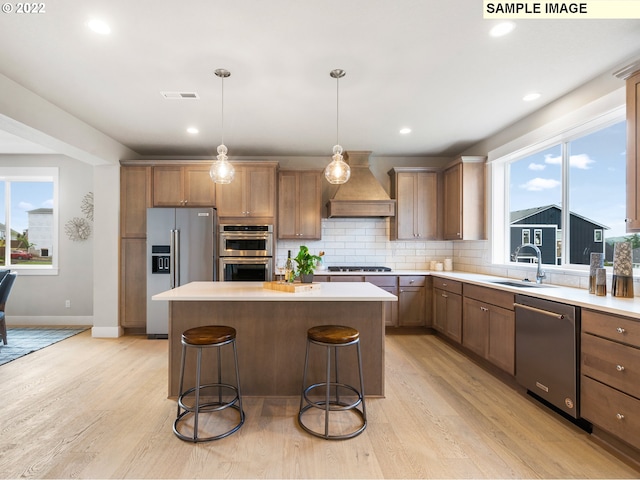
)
(502, 29)
(193, 130)
(99, 26)
(405, 131)
(529, 97)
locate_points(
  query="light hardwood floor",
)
(97, 408)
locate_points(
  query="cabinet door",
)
(411, 306)
(288, 205)
(133, 283)
(135, 185)
(391, 309)
(406, 198)
(230, 197)
(260, 190)
(426, 215)
(475, 327)
(502, 338)
(452, 193)
(453, 327)
(168, 186)
(439, 309)
(199, 189)
(633, 153)
(310, 205)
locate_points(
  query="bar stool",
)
(333, 337)
(201, 338)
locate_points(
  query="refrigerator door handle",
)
(175, 258)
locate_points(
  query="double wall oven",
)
(245, 253)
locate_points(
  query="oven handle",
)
(246, 236)
(558, 316)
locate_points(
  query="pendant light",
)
(221, 170)
(338, 171)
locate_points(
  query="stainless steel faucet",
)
(539, 272)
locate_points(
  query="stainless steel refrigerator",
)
(181, 248)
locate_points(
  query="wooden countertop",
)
(254, 291)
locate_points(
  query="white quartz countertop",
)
(253, 291)
(573, 296)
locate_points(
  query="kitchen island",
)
(272, 329)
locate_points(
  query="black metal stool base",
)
(207, 407)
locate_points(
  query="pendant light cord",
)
(337, 109)
(222, 110)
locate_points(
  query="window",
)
(28, 218)
(569, 193)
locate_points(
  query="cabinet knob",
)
(444, 295)
(484, 309)
(619, 416)
(620, 330)
(620, 368)
(411, 281)
(444, 284)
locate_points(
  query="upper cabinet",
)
(633, 153)
(135, 197)
(464, 199)
(183, 186)
(299, 204)
(416, 194)
(251, 194)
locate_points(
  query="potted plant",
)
(306, 264)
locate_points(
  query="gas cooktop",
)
(358, 269)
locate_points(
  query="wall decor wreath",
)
(77, 229)
(87, 206)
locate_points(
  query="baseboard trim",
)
(107, 332)
(49, 321)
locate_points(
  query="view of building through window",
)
(591, 169)
(26, 222)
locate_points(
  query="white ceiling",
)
(426, 64)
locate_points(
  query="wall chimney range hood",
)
(362, 195)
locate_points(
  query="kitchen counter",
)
(574, 296)
(272, 329)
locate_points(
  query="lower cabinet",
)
(133, 283)
(447, 308)
(411, 301)
(610, 375)
(488, 326)
(388, 283)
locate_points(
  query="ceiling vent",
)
(180, 95)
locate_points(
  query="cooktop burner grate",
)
(349, 268)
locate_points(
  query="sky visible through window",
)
(597, 178)
(25, 196)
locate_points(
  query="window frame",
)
(33, 174)
(499, 177)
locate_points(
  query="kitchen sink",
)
(521, 284)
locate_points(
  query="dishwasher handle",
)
(558, 316)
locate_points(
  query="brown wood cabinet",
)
(411, 301)
(388, 283)
(251, 194)
(299, 204)
(183, 186)
(633, 153)
(488, 325)
(464, 199)
(447, 308)
(416, 193)
(610, 375)
(135, 198)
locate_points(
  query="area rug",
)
(23, 341)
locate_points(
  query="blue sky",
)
(597, 178)
(25, 196)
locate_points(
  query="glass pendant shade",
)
(221, 171)
(338, 171)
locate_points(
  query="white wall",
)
(40, 299)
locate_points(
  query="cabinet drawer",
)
(490, 295)
(612, 363)
(617, 413)
(321, 278)
(347, 278)
(411, 281)
(382, 280)
(620, 329)
(447, 285)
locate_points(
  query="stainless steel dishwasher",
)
(547, 336)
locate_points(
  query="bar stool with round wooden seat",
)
(333, 397)
(221, 396)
